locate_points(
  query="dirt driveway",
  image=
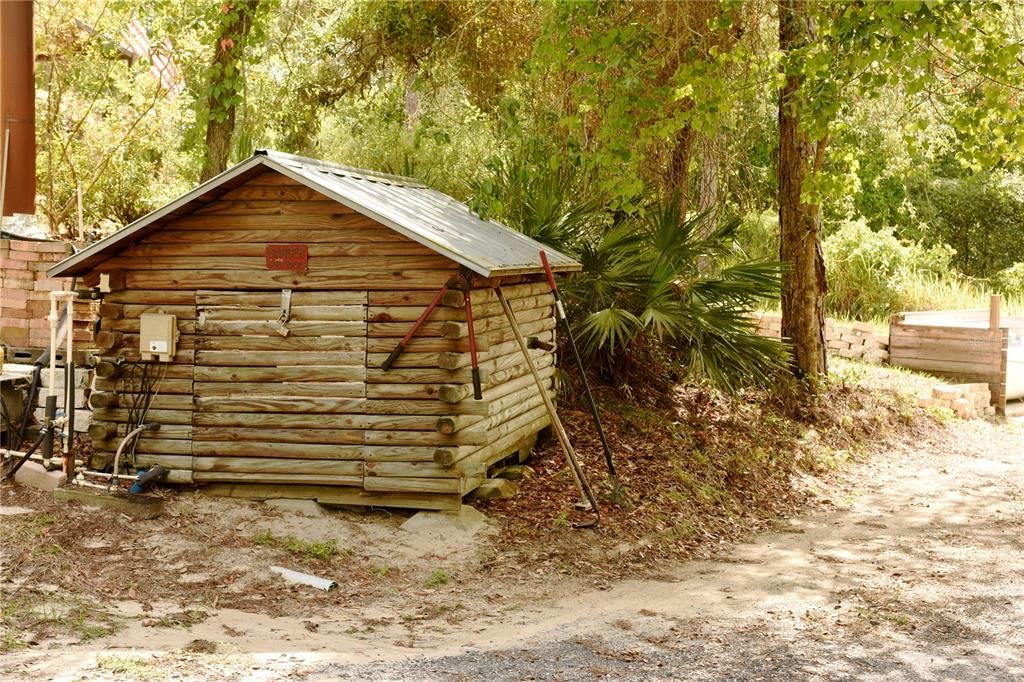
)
(913, 568)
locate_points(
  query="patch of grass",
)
(49, 617)
(135, 666)
(311, 549)
(182, 619)
(380, 571)
(438, 578)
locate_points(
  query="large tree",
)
(234, 29)
(833, 55)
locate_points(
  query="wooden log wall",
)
(962, 354)
(249, 410)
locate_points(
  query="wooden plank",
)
(369, 236)
(411, 485)
(949, 353)
(272, 177)
(399, 329)
(280, 344)
(425, 345)
(112, 430)
(311, 389)
(987, 369)
(338, 495)
(339, 406)
(291, 221)
(458, 330)
(273, 192)
(177, 462)
(222, 262)
(308, 313)
(281, 279)
(421, 376)
(326, 436)
(258, 328)
(298, 298)
(485, 296)
(285, 374)
(252, 449)
(432, 438)
(151, 297)
(258, 249)
(155, 446)
(105, 400)
(270, 465)
(162, 417)
(164, 386)
(406, 360)
(128, 340)
(407, 470)
(313, 421)
(218, 358)
(403, 391)
(258, 449)
(939, 332)
(280, 479)
(273, 207)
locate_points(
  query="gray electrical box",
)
(158, 336)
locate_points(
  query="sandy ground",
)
(912, 568)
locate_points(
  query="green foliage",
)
(1010, 281)
(310, 549)
(979, 215)
(873, 274)
(648, 276)
(438, 578)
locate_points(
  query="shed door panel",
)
(275, 408)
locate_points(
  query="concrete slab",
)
(35, 475)
(138, 507)
(301, 507)
(467, 520)
(14, 511)
(495, 489)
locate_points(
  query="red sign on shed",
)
(293, 257)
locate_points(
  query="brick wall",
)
(26, 294)
(855, 340)
(967, 401)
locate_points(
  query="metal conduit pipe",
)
(152, 426)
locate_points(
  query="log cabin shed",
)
(290, 281)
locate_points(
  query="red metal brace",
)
(386, 365)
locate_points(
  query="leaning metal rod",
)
(386, 365)
(556, 423)
(474, 363)
(612, 474)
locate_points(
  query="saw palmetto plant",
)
(651, 275)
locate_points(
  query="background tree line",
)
(679, 149)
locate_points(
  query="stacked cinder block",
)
(857, 340)
(967, 401)
(26, 293)
(83, 383)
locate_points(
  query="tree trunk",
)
(803, 282)
(707, 199)
(679, 168)
(412, 97)
(220, 124)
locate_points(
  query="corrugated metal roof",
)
(424, 215)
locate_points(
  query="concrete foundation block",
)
(302, 507)
(139, 507)
(36, 476)
(466, 520)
